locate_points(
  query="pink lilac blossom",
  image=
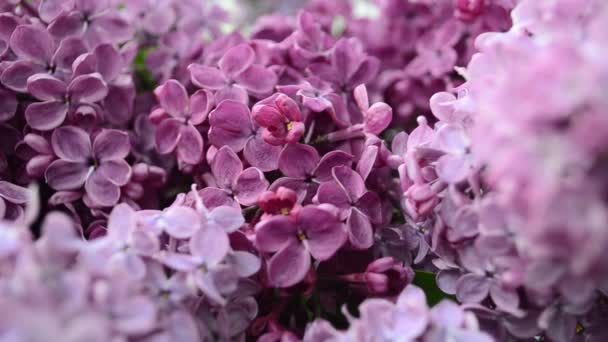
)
(293, 179)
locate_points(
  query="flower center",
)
(290, 126)
(284, 211)
(302, 236)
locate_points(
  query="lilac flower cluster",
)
(302, 182)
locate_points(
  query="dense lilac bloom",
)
(436, 54)
(359, 207)
(457, 163)
(305, 170)
(309, 40)
(281, 118)
(61, 98)
(99, 166)
(37, 52)
(176, 51)
(310, 231)
(232, 126)
(236, 77)
(179, 132)
(233, 185)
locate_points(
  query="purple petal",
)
(327, 163)
(370, 205)
(51, 9)
(201, 103)
(33, 43)
(249, 185)
(71, 143)
(214, 197)
(226, 167)
(109, 61)
(360, 94)
(325, 235)
(360, 231)
(367, 161)
(350, 180)
(236, 60)
(378, 117)
(230, 125)
(113, 28)
(173, 97)
(234, 93)
(13, 193)
(298, 160)
(447, 279)
(472, 288)
(331, 192)
(101, 191)
(257, 79)
(207, 77)
(274, 233)
(229, 218)
(301, 187)
(111, 144)
(69, 49)
(261, 154)
(505, 299)
(116, 171)
(16, 74)
(245, 264)
(167, 135)
(190, 145)
(87, 88)
(453, 168)
(66, 175)
(45, 116)
(46, 87)
(67, 24)
(448, 314)
(121, 222)
(289, 266)
(211, 244)
(181, 222)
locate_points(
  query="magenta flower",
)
(281, 118)
(310, 231)
(38, 53)
(359, 207)
(304, 170)
(179, 132)
(233, 185)
(232, 126)
(95, 21)
(61, 98)
(100, 166)
(236, 77)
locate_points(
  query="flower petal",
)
(66, 175)
(249, 185)
(45, 116)
(88, 88)
(257, 79)
(472, 288)
(71, 143)
(190, 145)
(33, 43)
(261, 154)
(211, 244)
(173, 98)
(16, 74)
(360, 231)
(167, 135)
(298, 160)
(101, 191)
(226, 167)
(289, 266)
(207, 77)
(111, 144)
(230, 125)
(46, 87)
(14, 193)
(274, 233)
(181, 222)
(236, 60)
(116, 171)
(350, 180)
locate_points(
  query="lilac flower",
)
(175, 53)
(233, 185)
(281, 118)
(236, 77)
(124, 246)
(179, 131)
(60, 98)
(349, 66)
(359, 207)
(304, 170)
(309, 40)
(457, 163)
(38, 53)
(232, 126)
(96, 22)
(310, 231)
(100, 166)
(436, 54)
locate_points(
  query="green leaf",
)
(426, 281)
